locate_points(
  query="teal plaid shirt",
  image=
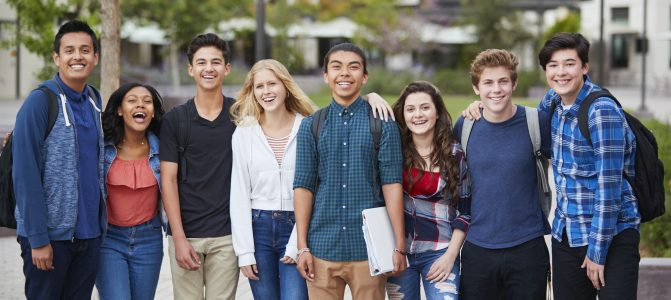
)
(345, 185)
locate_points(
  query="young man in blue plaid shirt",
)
(595, 232)
(335, 182)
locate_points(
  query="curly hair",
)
(113, 126)
(246, 105)
(443, 140)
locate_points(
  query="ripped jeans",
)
(406, 285)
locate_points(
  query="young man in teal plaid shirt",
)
(335, 180)
(595, 232)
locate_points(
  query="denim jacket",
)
(154, 164)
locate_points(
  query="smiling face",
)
(269, 91)
(75, 59)
(136, 109)
(209, 68)
(564, 74)
(495, 89)
(419, 113)
(345, 75)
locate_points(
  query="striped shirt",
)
(429, 219)
(594, 201)
(277, 145)
(341, 176)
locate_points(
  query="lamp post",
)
(644, 52)
(260, 37)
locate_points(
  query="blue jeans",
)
(75, 265)
(277, 280)
(406, 285)
(130, 261)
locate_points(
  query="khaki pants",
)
(218, 272)
(331, 277)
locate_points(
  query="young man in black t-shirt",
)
(200, 244)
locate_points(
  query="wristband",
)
(400, 252)
(301, 251)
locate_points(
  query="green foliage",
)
(383, 81)
(571, 23)
(497, 26)
(39, 24)
(184, 19)
(655, 235)
(281, 16)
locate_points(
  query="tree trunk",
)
(110, 47)
(174, 65)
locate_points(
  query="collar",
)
(352, 109)
(69, 92)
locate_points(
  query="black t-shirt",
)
(204, 199)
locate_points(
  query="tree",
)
(497, 26)
(184, 19)
(110, 46)
(39, 21)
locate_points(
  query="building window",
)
(619, 51)
(620, 15)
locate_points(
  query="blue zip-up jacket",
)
(154, 164)
(45, 172)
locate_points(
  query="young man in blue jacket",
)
(58, 180)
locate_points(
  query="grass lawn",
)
(455, 103)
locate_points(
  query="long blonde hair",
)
(246, 105)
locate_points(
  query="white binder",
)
(379, 236)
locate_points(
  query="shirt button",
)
(344, 143)
(351, 114)
(344, 186)
(344, 228)
(345, 123)
(340, 114)
(344, 206)
(344, 165)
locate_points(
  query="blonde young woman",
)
(268, 113)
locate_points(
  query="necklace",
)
(142, 142)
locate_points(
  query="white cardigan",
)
(258, 182)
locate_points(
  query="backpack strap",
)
(533, 126)
(583, 111)
(318, 123)
(376, 132)
(52, 108)
(183, 129)
(466, 128)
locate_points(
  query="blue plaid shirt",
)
(345, 184)
(594, 201)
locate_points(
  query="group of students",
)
(275, 192)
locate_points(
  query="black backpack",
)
(7, 198)
(648, 184)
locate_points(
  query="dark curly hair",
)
(113, 126)
(443, 140)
